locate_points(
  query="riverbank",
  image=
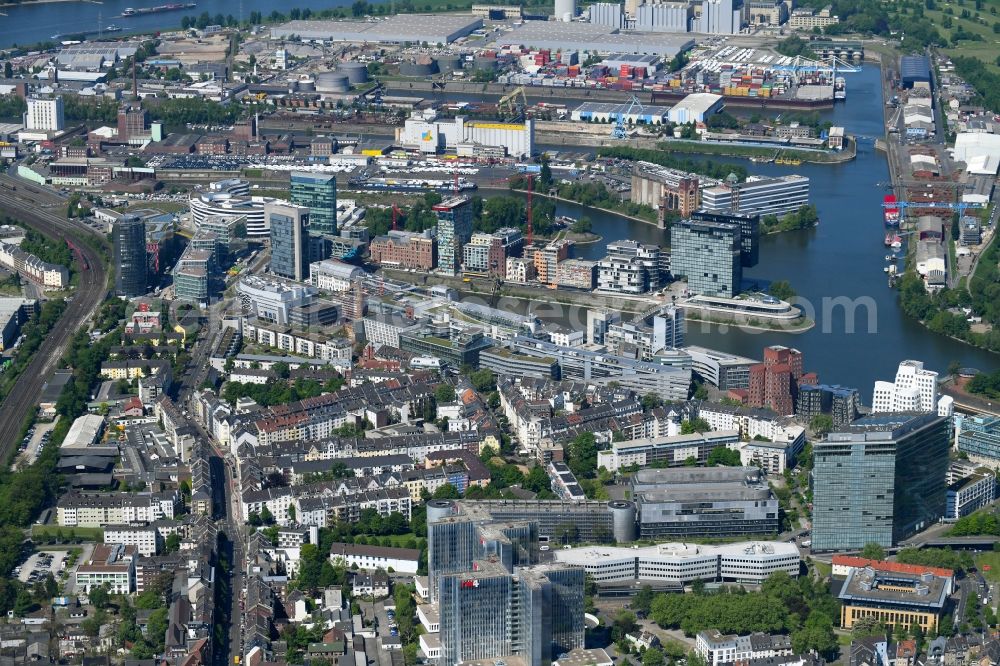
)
(556, 197)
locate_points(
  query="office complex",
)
(749, 224)
(665, 189)
(970, 493)
(404, 249)
(703, 501)
(682, 563)
(663, 329)
(289, 240)
(979, 438)
(494, 600)
(129, 236)
(879, 480)
(721, 370)
(915, 390)
(758, 196)
(708, 255)
(893, 599)
(454, 231)
(632, 268)
(841, 403)
(535, 613)
(318, 193)
(45, 114)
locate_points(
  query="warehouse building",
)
(662, 188)
(560, 36)
(430, 28)
(429, 135)
(603, 112)
(915, 71)
(696, 107)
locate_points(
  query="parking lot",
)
(41, 563)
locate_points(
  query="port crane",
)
(959, 206)
(618, 131)
(508, 104)
(803, 64)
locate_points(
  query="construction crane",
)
(618, 131)
(508, 105)
(959, 206)
(495, 291)
(531, 230)
(396, 213)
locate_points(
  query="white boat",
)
(885, 269)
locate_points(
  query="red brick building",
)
(404, 249)
(774, 383)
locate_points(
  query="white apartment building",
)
(915, 390)
(114, 509)
(520, 270)
(716, 648)
(45, 114)
(398, 560)
(145, 539)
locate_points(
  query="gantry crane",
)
(618, 131)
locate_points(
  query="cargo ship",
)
(173, 7)
(890, 210)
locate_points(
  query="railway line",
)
(30, 206)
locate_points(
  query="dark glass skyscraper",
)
(318, 193)
(289, 240)
(879, 480)
(129, 236)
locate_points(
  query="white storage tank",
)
(357, 72)
(332, 82)
(565, 10)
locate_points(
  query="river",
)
(841, 259)
(34, 22)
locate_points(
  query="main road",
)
(43, 211)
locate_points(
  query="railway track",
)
(29, 206)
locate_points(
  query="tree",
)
(444, 393)
(291, 513)
(8, 70)
(651, 401)
(873, 551)
(783, 290)
(653, 657)
(816, 634)
(266, 516)
(821, 424)
(446, 491)
(99, 597)
(583, 455)
(722, 455)
(689, 427)
(483, 380)
(172, 543)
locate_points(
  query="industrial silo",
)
(357, 72)
(422, 66)
(440, 509)
(622, 520)
(307, 84)
(332, 82)
(565, 10)
(448, 63)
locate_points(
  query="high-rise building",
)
(749, 232)
(915, 390)
(774, 383)
(454, 230)
(879, 480)
(289, 240)
(45, 114)
(535, 613)
(129, 236)
(708, 255)
(841, 403)
(318, 193)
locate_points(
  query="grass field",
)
(85, 533)
(978, 22)
(991, 560)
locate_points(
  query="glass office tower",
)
(879, 480)
(318, 193)
(454, 230)
(708, 254)
(129, 235)
(289, 240)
